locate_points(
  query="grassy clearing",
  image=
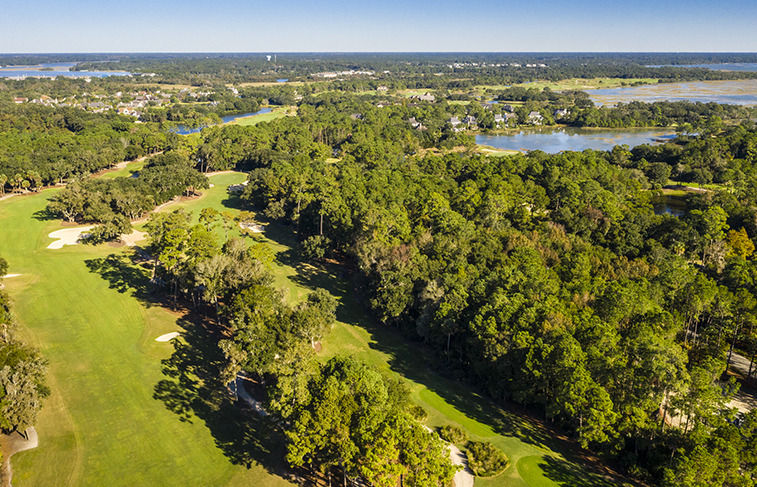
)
(265, 117)
(125, 172)
(102, 425)
(493, 151)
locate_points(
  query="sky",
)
(73, 26)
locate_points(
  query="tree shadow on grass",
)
(124, 275)
(44, 215)
(569, 474)
(234, 202)
(194, 391)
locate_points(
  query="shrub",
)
(418, 413)
(485, 460)
(453, 434)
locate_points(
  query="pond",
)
(554, 140)
(739, 92)
(671, 205)
(54, 69)
(184, 130)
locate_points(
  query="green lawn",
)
(101, 425)
(264, 117)
(94, 321)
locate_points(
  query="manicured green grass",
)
(128, 171)
(102, 425)
(264, 117)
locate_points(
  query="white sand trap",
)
(10, 275)
(253, 227)
(134, 237)
(234, 188)
(68, 236)
(167, 336)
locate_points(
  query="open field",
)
(90, 312)
(265, 117)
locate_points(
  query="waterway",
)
(184, 130)
(714, 67)
(552, 140)
(53, 70)
(735, 92)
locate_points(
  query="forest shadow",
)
(124, 275)
(193, 390)
(569, 474)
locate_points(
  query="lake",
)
(553, 140)
(738, 92)
(54, 69)
(183, 130)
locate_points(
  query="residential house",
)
(471, 121)
(561, 113)
(535, 118)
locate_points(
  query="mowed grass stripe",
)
(101, 426)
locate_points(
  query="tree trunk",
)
(321, 223)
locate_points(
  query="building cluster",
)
(102, 103)
(335, 74)
(492, 65)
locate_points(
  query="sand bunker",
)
(234, 188)
(134, 237)
(253, 227)
(68, 236)
(10, 275)
(167, 336)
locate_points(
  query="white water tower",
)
(268, 57)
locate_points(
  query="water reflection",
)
(553, 140)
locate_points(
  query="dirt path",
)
(14, 443)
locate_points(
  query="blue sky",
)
(388, 25)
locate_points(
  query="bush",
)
(485, 460)
(418, 413)
(314, 247)
(453, 434)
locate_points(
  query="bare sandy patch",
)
(464, 477)
(253, 227)
(167, 337)
(10, 275)
(134, 237)
(68, 236)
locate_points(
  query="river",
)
(53, 70)
(554, 140)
